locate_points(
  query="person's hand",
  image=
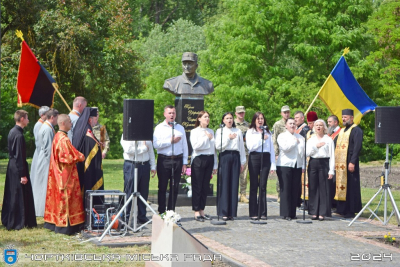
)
(272, 172)
(320, 144)
(24, 180)
(265, 136)
(241, 168)
(214, 171)
(351, 167)
(208, 134)
(175, 140)
(183, 169)
(232, 136)
(276, 157)
(303, 171)
(153, 173)
(330, 176)
(103, 155)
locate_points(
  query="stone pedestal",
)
(176, 246)
(187, 109)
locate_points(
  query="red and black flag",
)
(35, 85)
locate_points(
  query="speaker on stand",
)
(137, 126)
(387, 128)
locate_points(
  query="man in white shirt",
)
(172, 150)
(146, 163)
(78, 106)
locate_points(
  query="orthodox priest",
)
(39, 185)
(18, 209)
(64, 212)
(348, 148)
(90, 171)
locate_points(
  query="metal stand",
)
(386, 189)
(133, 197)
(304, 186)
(218, 222)
(258, 221)
(172, 187)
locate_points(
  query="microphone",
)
(263, 127)
(222, 125)
(172, 123)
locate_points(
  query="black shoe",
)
(230, 218)
(321, 218)
(263, 218)
(143, 220)
(206, 217)
(314, 218)
(254, 218)
(198, 218)
(288, 218)
(294, 218)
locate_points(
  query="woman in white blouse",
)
(232, 160)
(289, 166)
(259, 143)
(321, 168)
(204, 164)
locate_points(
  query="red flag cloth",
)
(34, 83)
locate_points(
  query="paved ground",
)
(288, 243)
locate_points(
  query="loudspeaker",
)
(387, 125)
(138, 119)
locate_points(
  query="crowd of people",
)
(68, 163)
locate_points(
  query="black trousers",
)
(165, 166)
(143, 180)
(202, 167)
(256, 182)
(289, 179)
(229, 172)
(319, 189)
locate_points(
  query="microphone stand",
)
(304, 186)
(218, 222)
(172, 170)
(258, 221)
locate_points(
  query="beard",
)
(347, 123)
(331, 130)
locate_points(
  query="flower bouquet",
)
(170, 216)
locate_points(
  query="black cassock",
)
(18, 206)
(90, 171)
(353, 196)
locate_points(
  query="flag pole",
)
(345, 51)
(62, 98)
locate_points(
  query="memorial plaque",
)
(187, 110)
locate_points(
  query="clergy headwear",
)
(348, 112)
(93, 112)
(312, 116)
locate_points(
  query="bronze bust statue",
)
(189, 83)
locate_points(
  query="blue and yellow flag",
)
(341, 91)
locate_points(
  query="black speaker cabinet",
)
(138, 119)
(387, 125)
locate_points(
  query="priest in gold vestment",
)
(64, 206)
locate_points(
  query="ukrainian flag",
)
(341, 91)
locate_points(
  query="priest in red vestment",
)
(64, 209)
